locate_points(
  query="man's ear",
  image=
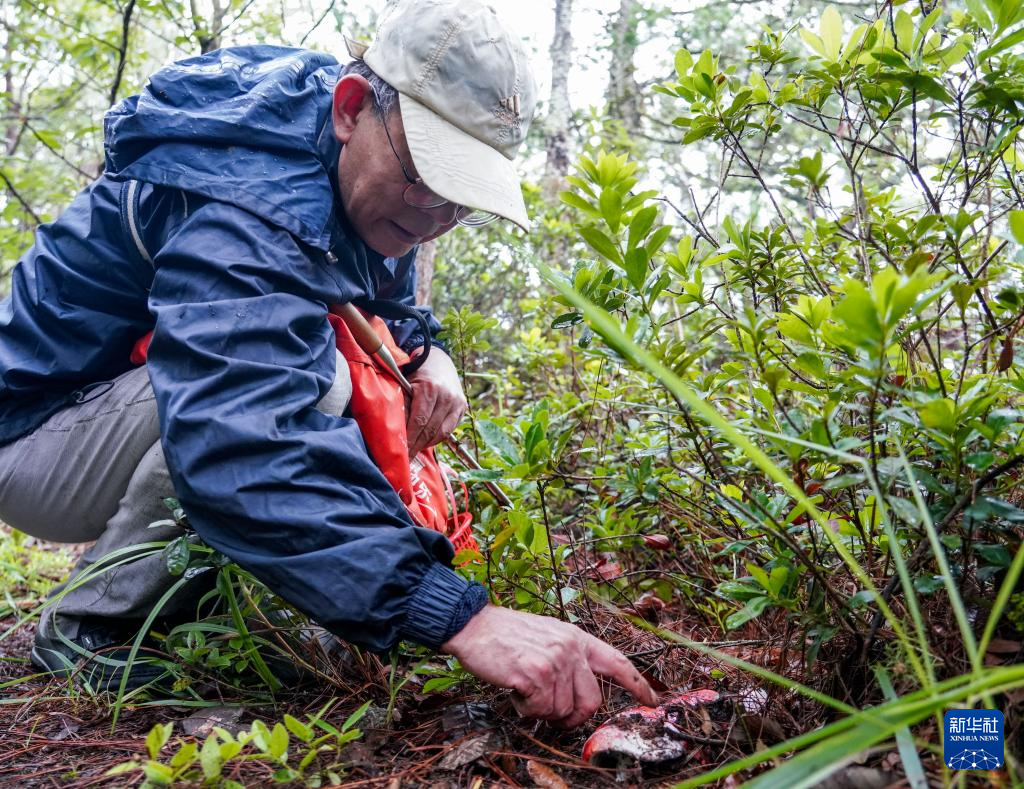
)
(352, 95)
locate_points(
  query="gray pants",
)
(96, 471)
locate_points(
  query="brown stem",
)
(122, 50)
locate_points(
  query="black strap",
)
(394, 311)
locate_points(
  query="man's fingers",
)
(432, 417)
(518, 702)
(587, 697)
(438, 402)
(607, 661)
(552, 667)
(565, 696)
(531, 701)
(418, 422)
(450, 423)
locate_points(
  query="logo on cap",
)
(512, 104)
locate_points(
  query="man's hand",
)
(438, 402)
(552, 666)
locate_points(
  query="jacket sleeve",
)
(241, 353)
(407, 333)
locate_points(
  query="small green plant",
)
(306, 752)
(27, 571)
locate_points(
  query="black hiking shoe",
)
(96, 656)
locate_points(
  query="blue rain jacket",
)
(238, 214)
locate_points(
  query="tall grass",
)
(816, 755)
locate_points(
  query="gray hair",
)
(385, 97)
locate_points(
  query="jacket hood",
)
(248, 126)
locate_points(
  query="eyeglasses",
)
(418, 195)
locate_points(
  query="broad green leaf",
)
(889, 57)
(260, 734)
(298, 728)
(277, 745)
(951, 55)
(176, 555)
(610, 203)
(759, 575)
(640, 225)
(209, 758)
(636, 267)
(980, 13)
(777, 579)
(832, 33)
(994, 554)
(657, 239)
(480, 475)
(794, 327)
(732, 491)
(939, 415)
(158, 774)
(962, 295)
(858, 42)
(601, 244)
(566, 320)
(439, 684)
(683, 62)
(812, 364)
(751, 610)
(498, 441)
(980, 461)
(186, 754)
(926, 25)
(857, 312)
(1006, 12)
(574, 200)
(1004, 43)
(820, 312)
(1016, 219)
(157, 738)
(904, 27)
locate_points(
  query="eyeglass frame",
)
(461, 211)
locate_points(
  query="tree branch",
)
(17, 196)
(122, 52)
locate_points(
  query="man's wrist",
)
(442, 599)
(473, 601)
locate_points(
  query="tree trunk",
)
(556, 126)
(122, 50)
(623, 91)
(12, 131)
(209, 39)
(425, 271)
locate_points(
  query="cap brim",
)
(459, 167)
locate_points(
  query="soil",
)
(55, 735)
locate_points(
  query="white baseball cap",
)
(466, 93)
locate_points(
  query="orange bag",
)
(378, 406)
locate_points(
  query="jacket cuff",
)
(440, 602)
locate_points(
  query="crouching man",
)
(245, 191)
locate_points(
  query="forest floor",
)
(54, 734)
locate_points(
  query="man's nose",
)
(443, 214)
